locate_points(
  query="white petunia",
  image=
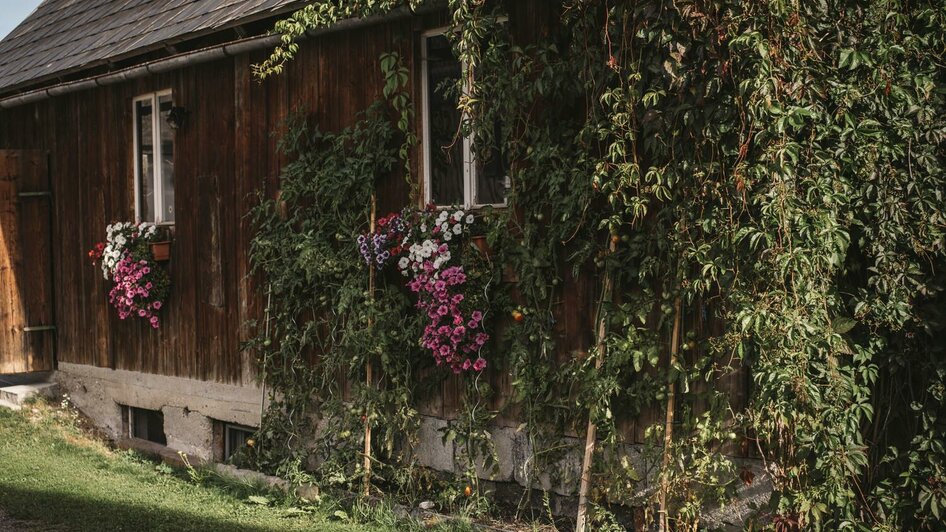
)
(457, 216)
(402, 264)
(448, 236)
(457, 229)
(469, 219)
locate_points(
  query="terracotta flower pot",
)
(161, 251)
(482, 245)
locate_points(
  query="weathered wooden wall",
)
(225, 153)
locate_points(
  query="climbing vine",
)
(740, 188)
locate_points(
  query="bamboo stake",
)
(592, 432)
(664, 525)
(368, 366)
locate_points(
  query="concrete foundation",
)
(189, 406)
(192, 407)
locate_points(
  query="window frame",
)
(130, 413)
(227, 427)
(469, 163)
(158, 168)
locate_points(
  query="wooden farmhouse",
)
(149, 110)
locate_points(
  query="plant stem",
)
(592, 432)
(265, 366)
(368, 367)
(668, 428)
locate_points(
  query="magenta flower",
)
(134, 292)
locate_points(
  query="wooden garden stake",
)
(664, 525)
(368, 369)
(592, 432)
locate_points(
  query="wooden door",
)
(27, 331)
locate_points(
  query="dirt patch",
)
(8, 524)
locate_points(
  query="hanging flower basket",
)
(161, 251)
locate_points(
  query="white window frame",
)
(157, 170)
(469, 164)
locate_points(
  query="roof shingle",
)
(65, 36)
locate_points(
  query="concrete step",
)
(16, 396)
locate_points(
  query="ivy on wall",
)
(776, 168)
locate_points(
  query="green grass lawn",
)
(55, 476)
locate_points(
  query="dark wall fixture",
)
(177, 116)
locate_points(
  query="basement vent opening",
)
(235, 438)
(145, 424)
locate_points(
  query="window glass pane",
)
(491, 172)
(446, 147)
(167, 159)
(145, 132)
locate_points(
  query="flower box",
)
(129, 258)
(161, 251)
(483, 246)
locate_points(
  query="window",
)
(452, 173)
(154, 159)
(235, 438)
(145, 424)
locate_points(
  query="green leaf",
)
(259, 499)
(842, 325)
